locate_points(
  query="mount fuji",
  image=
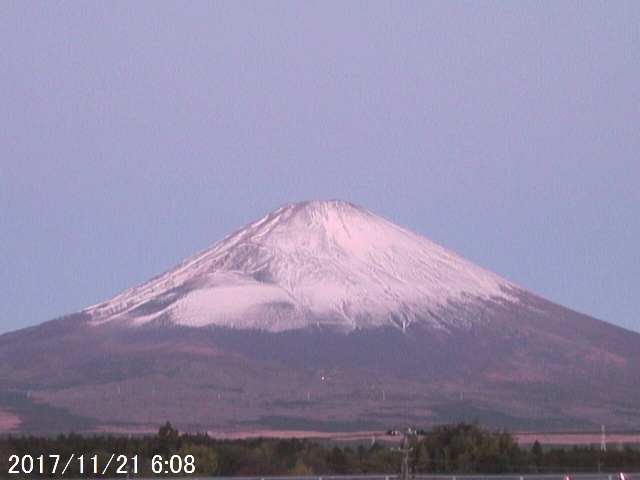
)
(320, 316)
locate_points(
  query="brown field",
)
(523, 438)
(612, 440)
(8, 422)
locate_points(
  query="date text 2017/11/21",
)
(53, 464)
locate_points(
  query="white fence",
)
(556, 476)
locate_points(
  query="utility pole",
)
(405, 447)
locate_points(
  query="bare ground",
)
(8, 422)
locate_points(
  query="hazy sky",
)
(134, 134)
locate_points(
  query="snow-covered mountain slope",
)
(326, 263)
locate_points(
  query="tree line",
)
(444, 449)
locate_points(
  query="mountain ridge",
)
(472, 346)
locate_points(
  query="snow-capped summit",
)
(327, 263)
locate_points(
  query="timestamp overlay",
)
(70, 465)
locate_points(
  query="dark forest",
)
(444, 449)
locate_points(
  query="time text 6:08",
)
(174, 464)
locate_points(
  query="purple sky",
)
(134, 134)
